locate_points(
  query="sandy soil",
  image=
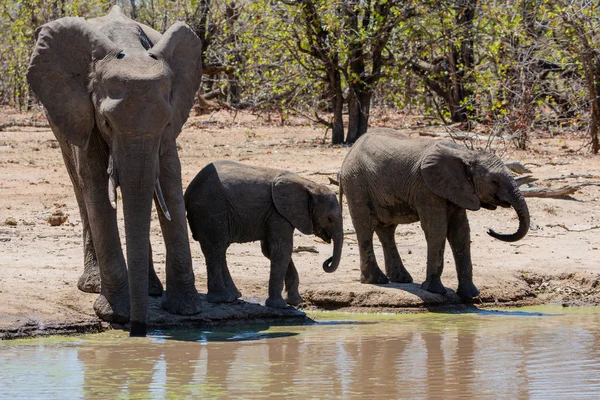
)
(40, 263)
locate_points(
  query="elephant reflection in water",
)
(133, 369)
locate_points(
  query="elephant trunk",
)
(137, 170)
(331, 264)
(518, 203)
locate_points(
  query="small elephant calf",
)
(390, 180)
(228, 202)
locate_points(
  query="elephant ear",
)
(292, 199)
(182, 50)
(447, 174)
(59, 74)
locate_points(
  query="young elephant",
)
(228, 202)
(389, 180)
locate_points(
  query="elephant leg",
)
(369, 270)
(229, 284)
(434, 226)
(394, 269)
(216, 263)
(292, 280)
(155, 288)
(280, 242)
(113, 303)
(459, 237)
(89, 281)
(181, 295)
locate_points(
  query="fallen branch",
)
(573, 229)
(324, 173)
(524, 180)
(307, 249)
(33, 124)
(545, 192)
(572, 176)
(517, 167)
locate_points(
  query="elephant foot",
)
(114, 309)
(155, 287)
(233, 290)
(276, 303)
(400, 276)
(293, 299)
(89, 281)
(220, 297)
(434, 285)
(373, 275)
(467, 290)
(184, 302)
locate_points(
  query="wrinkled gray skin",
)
(116, 95)
(228, 202)
(389, 180)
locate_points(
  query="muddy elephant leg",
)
(113, 303)
(394, 269)
(369, 270)
(459, 237)
(181, 295)
(229, 284)
(216, 262)
(89, 281)
(155, 288)
(434, 224)
(280, 245)
(292, 280)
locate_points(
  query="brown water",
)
(542, 353)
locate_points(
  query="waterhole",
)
(544, 353)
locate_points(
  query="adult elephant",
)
(116, 94)
(390, 180)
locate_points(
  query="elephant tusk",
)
(161, 200)
(112, 191)
(112, 183)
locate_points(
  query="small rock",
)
(10, 221)
(57, 218)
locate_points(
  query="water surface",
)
(549, 352)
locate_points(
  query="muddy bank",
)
(240, 312)
(557, 262)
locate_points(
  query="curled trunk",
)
(331, 264)
(518, 203)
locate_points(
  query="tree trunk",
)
(337, 105)
(359, 104)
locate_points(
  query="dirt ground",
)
(558, 261)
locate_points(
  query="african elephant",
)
(116, 94)
(389, 180)
(228, 202)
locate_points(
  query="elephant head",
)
(473, 179)
(128, 86)
(311, 208)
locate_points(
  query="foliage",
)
(515, 65)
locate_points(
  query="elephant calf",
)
(389, 180)
(228, 202)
